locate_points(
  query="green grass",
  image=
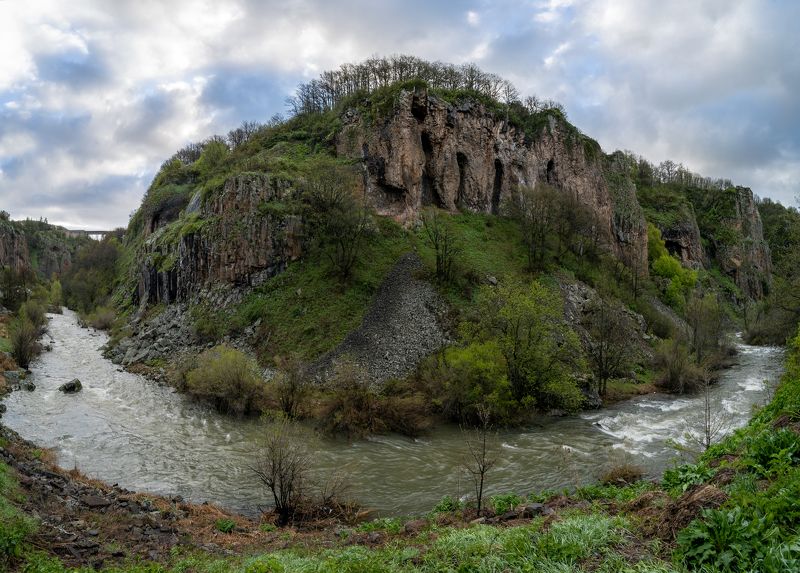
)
(305, 310)
(5, 345)
(15, 527)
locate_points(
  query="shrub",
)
(225, 525)
(353, 407)
(24, 341)
(228, 378)
(677, 373)
(291, 385)
(102, 319)
(283, 464)
(505, 502)
(683, 477)
(622, 474)
(35, 312)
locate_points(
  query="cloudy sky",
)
(94, 95)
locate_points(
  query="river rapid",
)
(127, 430)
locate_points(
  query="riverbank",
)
(750, 480)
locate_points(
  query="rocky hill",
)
(223, 221)
(37, 246)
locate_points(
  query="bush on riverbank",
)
(228, 379)
(102, 318)
(24, 337)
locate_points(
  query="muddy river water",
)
(125, 429)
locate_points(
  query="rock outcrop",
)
(13, 247)
(745, 255)
(238, 236)
(682, 239)
(402, 326)
(429, 152)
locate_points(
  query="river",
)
(127, 430)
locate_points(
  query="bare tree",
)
(481, 457)
(533, 210)
(340, 221)
(291, 384)
(442, 239)
(283, 464)
(610, 350)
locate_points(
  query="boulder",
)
(71, 387)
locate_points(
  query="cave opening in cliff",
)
(463, 162)
(428, 194)
(498, 185)
(551, 172)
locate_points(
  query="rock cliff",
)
(463, 157)
(238, 236)
(13, 247)
(741, 251)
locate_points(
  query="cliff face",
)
(464, 158)
(238, 237)
(13, 247)
(683, 240)
(742, 253)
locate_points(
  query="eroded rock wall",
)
(239, 237)
(462, 157)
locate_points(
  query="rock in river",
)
(71, 387)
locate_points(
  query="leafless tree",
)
(481, 455)
(441, 237)
(291, 383)
(283, 465)
(533, 210)
(610, 350)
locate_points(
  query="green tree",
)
(542, 354)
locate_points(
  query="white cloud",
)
(95, 95)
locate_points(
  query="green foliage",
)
(447, 504)
(772, 452)
(15, 527)
(227, 378)
(91, 278)
(303, 311)
(393, 525)
(505, 502)
(473, 376)
(542, 353)
(225, 525)
(681, 478)
(726, 539)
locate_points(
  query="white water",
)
(124, 429)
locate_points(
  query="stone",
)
(492, 281)
(3, 408)
(95, 501)
(531, 510)
(71, 387)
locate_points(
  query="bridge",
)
(96, 235)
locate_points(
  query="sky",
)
(95, 95)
